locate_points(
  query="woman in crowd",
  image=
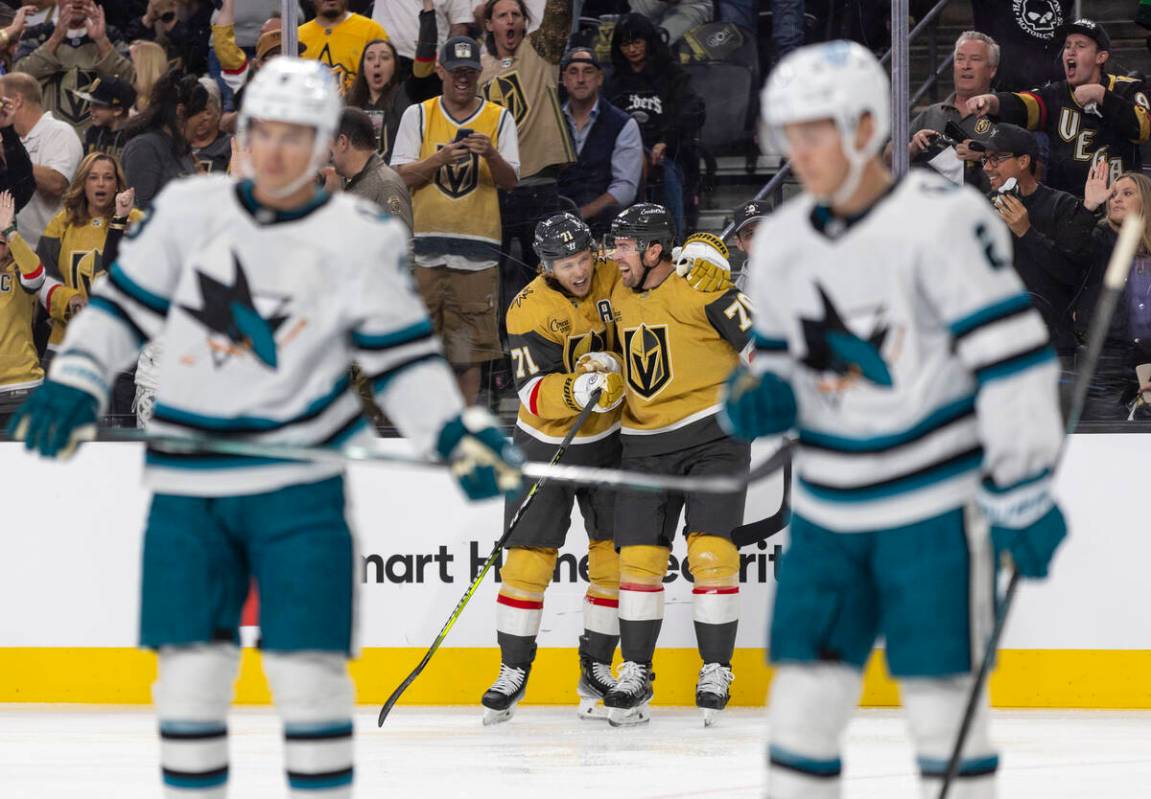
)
(1115, 392)
(211, 147)
(648, 84)
(150, 61)
(158, 151)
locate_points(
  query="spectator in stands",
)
(211, 147)
(1027, 32)
(20, 369)
(674, 18)
(744, 223)
(10, 37)
(53, 147)
(246, 24)
(1051, 230)
(1089, 114)
(16, 172)
(64, 63)
(337, 37)
(158, 151)
(976, 61)
(379, 90)
(521, 73)
(150, 62)
(1116, 392)
(181, 27)
(109, 102)
(650, 86)
(455, 152)
(236, 64)
(607, 172)
(788, 26)
(404, 23)
(355, 160)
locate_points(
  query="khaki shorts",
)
(462, 306)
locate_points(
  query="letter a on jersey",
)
(648, 359)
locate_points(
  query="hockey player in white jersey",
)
(895, 339)
(264, 290)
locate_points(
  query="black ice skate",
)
(501, 699)
(711, 691)
(595, 681)
(627, 703)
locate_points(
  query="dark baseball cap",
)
(1089, 28)
(108, 92)
(1005, 138)
(579, 55)
(749, 212)
(460, 52)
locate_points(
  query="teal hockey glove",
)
(757, 405)
(54, 419)
(484, 462)
(1026, 523)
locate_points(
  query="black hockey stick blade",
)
(753, 533)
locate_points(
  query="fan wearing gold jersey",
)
(20, 370)
(679, 335)
(559, 327)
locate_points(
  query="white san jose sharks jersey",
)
(918, 363)
(261, 314)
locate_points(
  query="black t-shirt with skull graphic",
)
(1025, 31)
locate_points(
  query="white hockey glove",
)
(578, 391)
(598, 362)
(702, 261)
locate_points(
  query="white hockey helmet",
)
(840, 81)
(299, 92)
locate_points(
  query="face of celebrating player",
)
(1124, 200)
(631, 262)
(507, 26)
(1082, 60)
(100, 188)
(279, 153)
(574, 273)
(973, 71)
(379, 66)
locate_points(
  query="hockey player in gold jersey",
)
(679, 337)
(559, 328)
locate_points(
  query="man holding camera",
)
(1051, 228)
(454, 152)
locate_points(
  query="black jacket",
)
(16, 171)
(662, 102)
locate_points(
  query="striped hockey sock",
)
(518, 616)
(318, 758)
(715, 610)
(601, 625)
(194, 759)
(640, 619)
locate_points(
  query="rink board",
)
(69, 574)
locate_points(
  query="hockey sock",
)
(601, 603)
(314, 695)
(714, 564)
(935, 709)
(192, 694)
(520, 603)
(641, 598)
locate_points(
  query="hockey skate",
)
(711, 691)
(627, 703)
(501, 699)
(595, 681)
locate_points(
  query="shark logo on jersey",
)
(235, 326)
(833, 347)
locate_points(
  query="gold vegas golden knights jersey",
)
(526, 86)
(548, 331)
(679, 345)
(340, 47)
(19, 363)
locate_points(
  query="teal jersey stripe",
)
(992, 313)
(779, 756)
(766, 344)
(968, 767)
(120, 315)
(940, 417)
(954, 466)
(205, 463)
(1009, 367)
(252, 424)
(397, 338)
(153, 302)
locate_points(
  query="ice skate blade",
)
(628, 717)
(590, 709)
(710, 716)
(497, 716)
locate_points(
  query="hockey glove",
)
(702, 261)
(598, 362)
(54, 420)
(1025, 523)
(609, 384)
(483, 461)
(757, 405)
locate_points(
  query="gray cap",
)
(460, 52)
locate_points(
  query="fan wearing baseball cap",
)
(109, 102)
(1088, 115)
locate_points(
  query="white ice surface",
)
(53, 752)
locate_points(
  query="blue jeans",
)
(787, 30)
(738, 12)
(672, 194)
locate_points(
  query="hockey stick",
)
(1113, 283)
(496, 550)
(765, 528)
(372, 452)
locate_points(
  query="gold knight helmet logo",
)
(648, 357)
(459, 178)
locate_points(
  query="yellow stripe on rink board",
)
(1068, 678)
